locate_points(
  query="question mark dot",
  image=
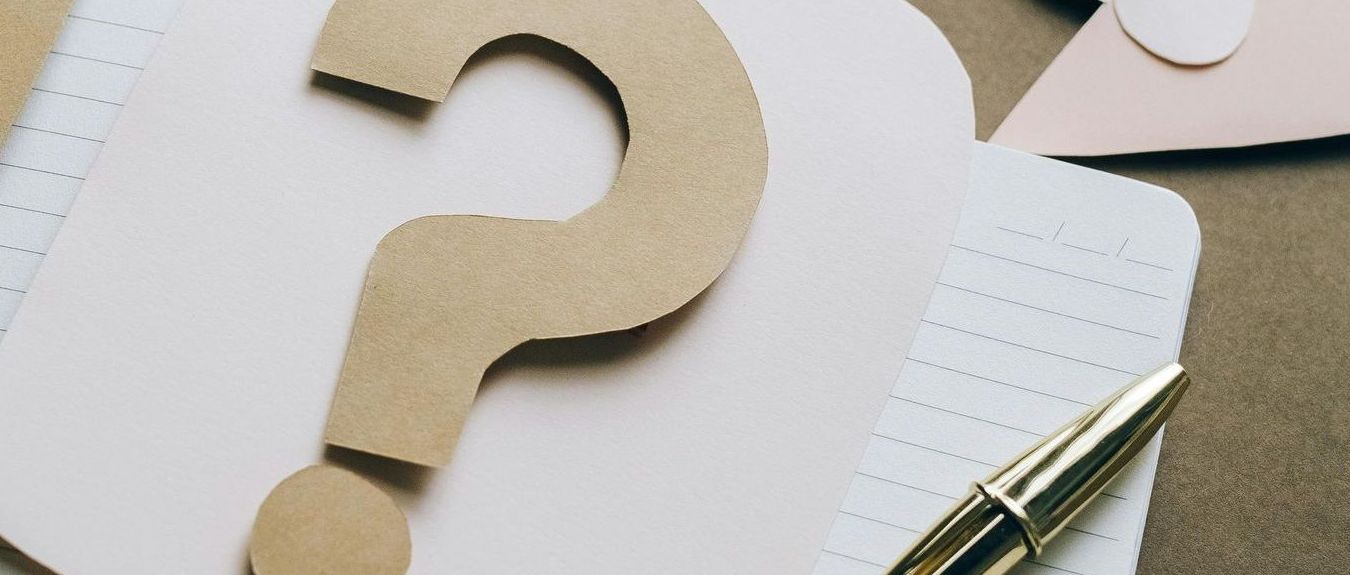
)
(326, 520)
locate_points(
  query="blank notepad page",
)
(71, 109)
(1062, 285)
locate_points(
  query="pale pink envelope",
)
(1104, 95)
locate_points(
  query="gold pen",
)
(1017, 510)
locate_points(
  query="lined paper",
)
(71, 110)
(1062, 285)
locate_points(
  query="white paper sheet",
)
(1062, 285)
(178, 350)
(70, 112)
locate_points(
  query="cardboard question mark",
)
(446, 296)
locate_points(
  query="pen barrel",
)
(1011, 515)
(1052, 482)
(979, 538)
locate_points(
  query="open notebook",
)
(1061, 284)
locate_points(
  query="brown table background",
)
(1253, 477)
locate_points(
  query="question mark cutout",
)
(446, 296)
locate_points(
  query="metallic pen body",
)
(1014, 512)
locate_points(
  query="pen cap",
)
(1050, 483)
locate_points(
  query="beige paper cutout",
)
(1103, 95)
(28, 28)
(1187, 32)
(446, 296)
(350, 509)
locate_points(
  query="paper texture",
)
(69, 113)
(447, 296)
(1103, 95)
(1062, 285)
(212, 266)
(1187, 32)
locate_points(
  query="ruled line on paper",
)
(1049, 311)
(29, 168)
(1020, 233)
(1030, 348)
(21, 250)
(906, 485)
(1152, 265)
(968, 416)
(47, 91)
(995, 381)
(1061, 272)
(118, 24)
(99, 60)
(852, 558)
(1081, 248)
(879, 521)
(54, 132)
(935, 450)
(1059, 569)
(36, 211)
